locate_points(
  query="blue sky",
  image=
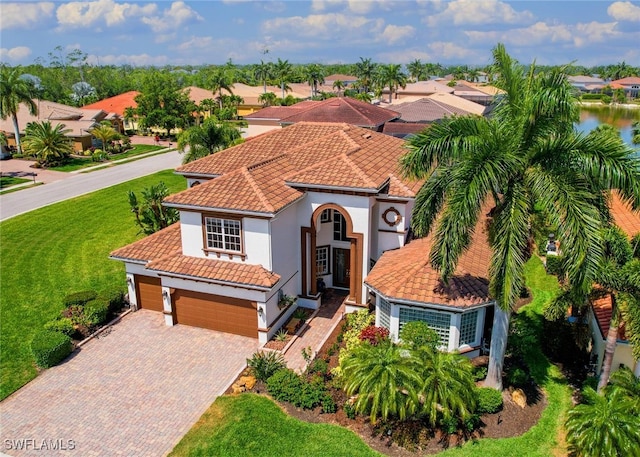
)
(323, 31)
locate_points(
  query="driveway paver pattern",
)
(133, 391)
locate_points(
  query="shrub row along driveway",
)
(134, 391)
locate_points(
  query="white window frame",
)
(469, 329)
(322, 258)
(225, 239)
(325, 215)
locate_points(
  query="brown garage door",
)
(149, 292)
(230, 315)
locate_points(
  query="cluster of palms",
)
(407, 380)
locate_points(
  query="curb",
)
(102, 329)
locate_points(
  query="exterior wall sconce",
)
(130, 280)
(260, 311)
(165, 294)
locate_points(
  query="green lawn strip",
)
(16, 189)
(6, 181)
(542, 439)
(78, 163)
(252, 425)
(52, 251)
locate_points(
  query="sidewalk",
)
(316, 331)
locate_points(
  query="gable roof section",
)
(280, 112)
(116, 104)
(342, 109)
(602, 310)
(242, 274)
(628, 81)
(459, 102)
(406, 274)
(261, 174)
(427, 110)
(424, 88)
(151, 247)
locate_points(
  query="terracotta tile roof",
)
(116, 104)
(424, 88)
(459, 102)
(252, 176)
(151, 247)
(339, 77)
(624, 217)
(280, 112)
(427, 110)
(406, 274)
(629, 80)
(215, 270)
(403, 128)
(197, 94)
(343, 109)
(602, 310)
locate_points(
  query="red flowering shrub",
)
(374, 334)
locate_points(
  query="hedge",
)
(96, 311)
(488, 400)
(79, 298)
(50, 348)
(63, 325)
(115, 299)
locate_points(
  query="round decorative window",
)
(392, 216)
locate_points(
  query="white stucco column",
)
(394, 322)
(454, 332)
(167, 306)
(131, 290)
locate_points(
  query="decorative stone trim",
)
(392, 217)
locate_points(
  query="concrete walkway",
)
(315, 332)
(75, 184)
(133, 391)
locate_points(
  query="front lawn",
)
(6, 181)
(52, 251)
(251, 425)
(78, 163)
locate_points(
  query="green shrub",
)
(79, 298)
(318, 366)
(591, 96)
(115, 299)
(349, 410)
(264, 364)
(479, 373)
(63, 325)
(328, 404)
(449, 425)
(50, 348)
(554, 265)
(419, 334)
(284, 385)
(606, 99)
(489, 400)
(517, 377)
(96, 311)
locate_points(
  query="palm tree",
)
(447, 386)
(619, 277)
(49, 144)
(363, 97)
(263, 73)
(151, 215)
(603, 426)
(635, 132)
(130, 115)
(338, 85)
(526, 154)
(416, 70)
(15, 91)
(221, 79)
(391, 76)
(629, 385)
(383, 377)
(283, 72)
(365, 71)
(314, 76)
(212, 136)
(105, 133)
(267, 99)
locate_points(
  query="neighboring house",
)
(600, 311)
(586, 83)
(336, 109)
(78, 120)
(272, 217)
(406, 288)
(251, 95)
(348, 80)
(118, 105)
(473, 93)
(416, 90)
(630, 85)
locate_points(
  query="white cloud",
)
(393, 34)
(476, 12)
(24, 15)
(321, 5)
(140, 60)
(92, 14)
(14, 54)
(594, 32)
(534, 34)
(404, 56)
(448, 51)
(327, 26)
(624, 11)
(177, 16)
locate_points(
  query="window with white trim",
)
(468, 324)
(322, 260)
(439, 322)
(325, 215)
(339, 227)
(384, 310)
(223, 234)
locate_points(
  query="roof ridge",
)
(357, 146)
(400, 182)
(266, 162)
(268, 206)
(360, 172)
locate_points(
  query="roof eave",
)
(180, 206)
(444, 307)
(214, 281)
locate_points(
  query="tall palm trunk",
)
(282, 86)
(16, 132)
(610, 346)
(498, 347)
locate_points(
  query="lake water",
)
(621, 118)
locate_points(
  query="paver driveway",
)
(132, 392)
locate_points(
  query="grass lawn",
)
(251, 425)
(52, 251)
(77, 163)
(6, 181)
(546, 438)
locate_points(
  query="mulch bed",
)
(511, 421)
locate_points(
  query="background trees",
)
(526, 154)
(212, 136)
(14, 91)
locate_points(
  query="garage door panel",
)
(149, 293)
(216, 312)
